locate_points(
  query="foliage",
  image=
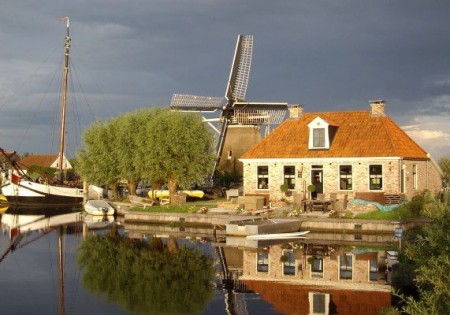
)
(427, 258)
(156, 144)
(226, 179)
(147, 277)
(311, 188)
(284, 258)
(444, 164)
(284, 187)
(422, 205)
(397, 214)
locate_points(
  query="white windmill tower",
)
(240, 121)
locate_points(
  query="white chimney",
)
(295, 111)
(377, 108)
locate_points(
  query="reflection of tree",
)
(147, 277)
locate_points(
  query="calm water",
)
(126, 275)
(30, 282)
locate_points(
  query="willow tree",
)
(156, 144)
(179, 149)
(96, 162)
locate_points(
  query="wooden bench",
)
(232, 193)
(143, 202)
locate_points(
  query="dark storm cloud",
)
(327, 55)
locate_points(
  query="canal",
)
(75, 264)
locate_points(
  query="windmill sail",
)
(235, 112)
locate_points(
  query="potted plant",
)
(284, 188)
(311, 188)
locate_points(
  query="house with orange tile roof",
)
(44, 160)
(353, 153)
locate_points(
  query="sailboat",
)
(20, 190)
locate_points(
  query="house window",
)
(317, 267)
(289, 263)
(345, 267)
(289, 176)
(263, 261)
(414, 176)
(345, 177)
(263, 177)
(319, 303)
(318, 137)
(373, 272)
(375, 177)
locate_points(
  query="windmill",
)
(240, 121)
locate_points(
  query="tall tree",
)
(156, 144)
(181, 149)
(444, 163)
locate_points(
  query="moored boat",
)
(20, 190)
(99, 207)
(278, 236)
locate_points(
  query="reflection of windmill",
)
(240, 120)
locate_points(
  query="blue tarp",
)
(376, 204)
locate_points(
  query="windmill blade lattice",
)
(240, 68)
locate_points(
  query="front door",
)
(317, 180)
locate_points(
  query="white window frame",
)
(415, 176)
(351, 177)
(289, 176)
(319, 123)
(381, 176)
(262, 177)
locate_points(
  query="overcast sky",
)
(127, 54)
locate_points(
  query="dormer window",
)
(319, 134)
(319, 137)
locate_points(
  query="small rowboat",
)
(278, 236)
(99, 207)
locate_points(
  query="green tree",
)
(444, 163)
(96, 162)
(179, 149)
(427, 258)
(157, 144)
(147, 278)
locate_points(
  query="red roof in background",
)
(45, 160)
(358, 134)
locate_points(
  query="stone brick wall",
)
(428, 176)
(303, 268)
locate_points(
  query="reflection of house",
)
(44, 160)
(330, 272)
(340, 152)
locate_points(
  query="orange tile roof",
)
(358, 134)
(45, 160)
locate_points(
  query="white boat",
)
(278, 236)
(95, 222)
(20, 190)
(99, 207)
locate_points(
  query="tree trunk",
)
(132, 187)
(172, 185)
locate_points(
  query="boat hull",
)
(28, 194)
(99, 208)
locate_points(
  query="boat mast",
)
(64, 99)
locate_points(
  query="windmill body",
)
(238, 126)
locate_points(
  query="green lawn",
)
(191, 207)
(397, 214)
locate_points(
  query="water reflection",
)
(128, 268)
(147, 276)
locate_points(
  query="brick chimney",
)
(295, 111)
(377, 108)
